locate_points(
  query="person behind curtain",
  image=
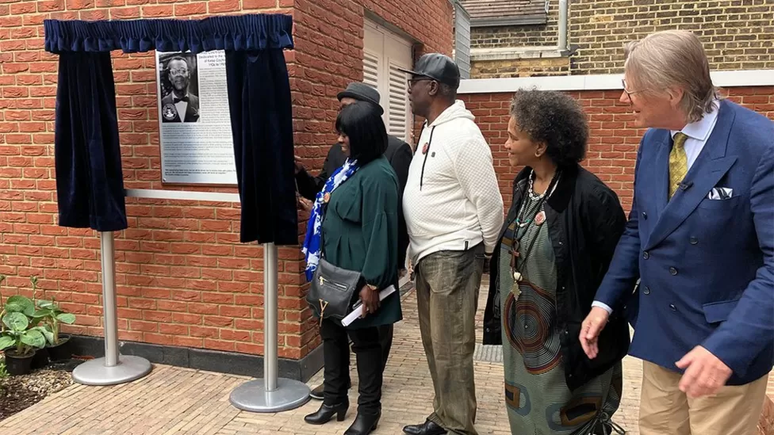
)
(359, 210)
(554, 248)
(399, 155)
(700, 238)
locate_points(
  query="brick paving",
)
(174, 400)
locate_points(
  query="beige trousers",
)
(665, 410)
(447, 297)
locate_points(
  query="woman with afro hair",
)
(555, 246)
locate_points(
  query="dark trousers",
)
(385, 341)
(367, 343)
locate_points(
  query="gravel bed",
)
(20, 392)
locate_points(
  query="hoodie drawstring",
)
(425, 151)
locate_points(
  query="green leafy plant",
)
(16, 332)
(18, 304)
(3, 371)
(15, 327)
(19, 325)
(53, 316)
(34, 282)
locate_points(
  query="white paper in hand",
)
(354, 315)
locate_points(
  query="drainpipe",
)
(563, 25)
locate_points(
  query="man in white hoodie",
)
(454, 211)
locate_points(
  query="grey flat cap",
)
(361, 92)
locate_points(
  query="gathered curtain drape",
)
(87, 152)
(87, 157)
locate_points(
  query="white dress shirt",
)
(181, 107)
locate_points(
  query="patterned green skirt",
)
(536, 393)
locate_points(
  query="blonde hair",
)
(673, 58)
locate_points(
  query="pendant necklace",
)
(539, 219)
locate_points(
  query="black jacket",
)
(169, 110)
(585, 221)
(398, 153)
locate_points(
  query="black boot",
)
(326, 413)
(364, 424)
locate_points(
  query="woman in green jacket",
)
(356, 217)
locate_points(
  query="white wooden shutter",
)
(399, 104)
(384, 52)
(371, 69)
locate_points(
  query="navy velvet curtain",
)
(88, 163)
(261, 123)
(89, 181)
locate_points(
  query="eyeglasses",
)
(178, 72)
(415, 80)
(627, 91)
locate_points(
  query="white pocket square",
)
(720, 193)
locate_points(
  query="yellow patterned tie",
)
(678, 163)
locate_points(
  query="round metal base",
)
(252, 396)
(94, 372)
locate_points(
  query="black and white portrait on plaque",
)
(179, 84)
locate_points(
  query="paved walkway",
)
(174, 400)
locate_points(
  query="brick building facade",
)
(183, 279)
(737, 34)
(613, 142)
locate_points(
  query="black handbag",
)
(333, 288)
(332, 291)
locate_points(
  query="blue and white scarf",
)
(312, 249)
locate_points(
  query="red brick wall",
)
(182, 278)
(612, 143)
(329, 49)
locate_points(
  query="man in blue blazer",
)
(700, 238)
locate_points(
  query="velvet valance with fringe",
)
(234, 33)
